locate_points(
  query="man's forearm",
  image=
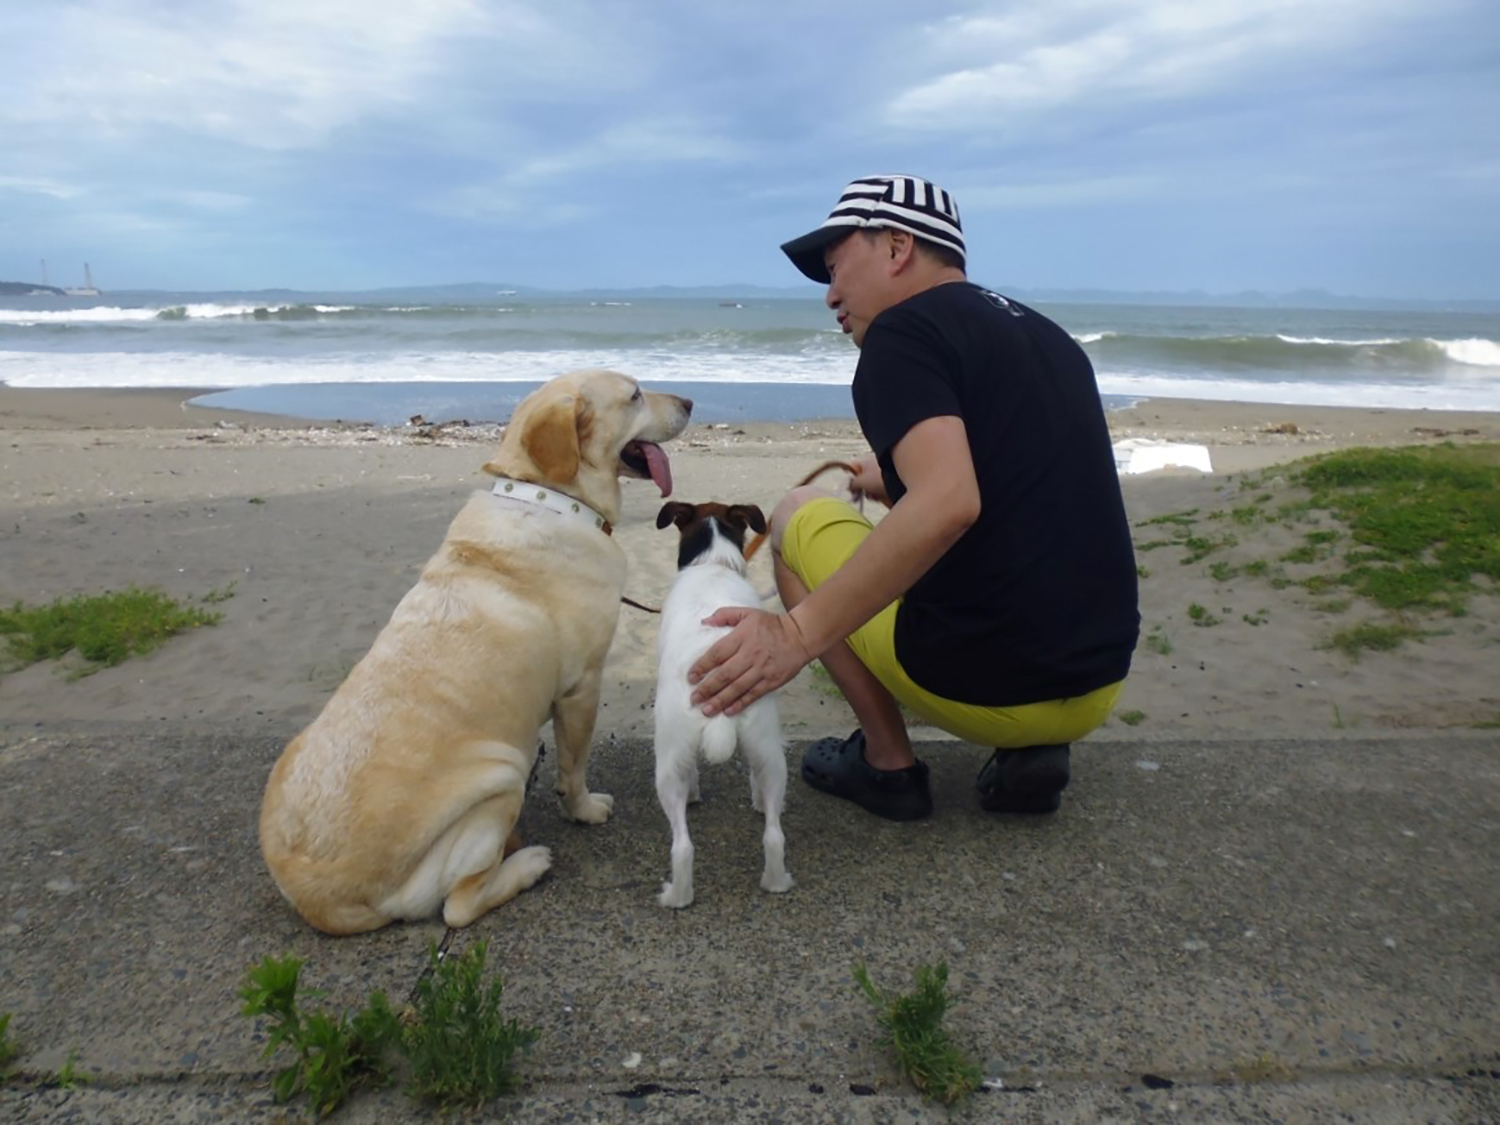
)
(902, 547)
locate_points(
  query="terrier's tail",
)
(719, 739)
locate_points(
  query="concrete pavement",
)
(1277, 930)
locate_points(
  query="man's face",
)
(859, 289)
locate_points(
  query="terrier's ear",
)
(748, 514)
(673, 511)
(550, 438)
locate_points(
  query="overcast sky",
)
(1352, 145)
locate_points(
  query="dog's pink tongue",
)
(661, 468)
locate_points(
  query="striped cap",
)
(903, 202)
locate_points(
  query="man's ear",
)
(673, 511)
(903, 246)
(550, 438)
(748, 514)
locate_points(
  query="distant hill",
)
(27, 289)
(484, 292)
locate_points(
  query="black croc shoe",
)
(1024, 781)
(837, 766)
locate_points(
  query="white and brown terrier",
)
(711, 575)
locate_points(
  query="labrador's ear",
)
(748, 514)
(550, 438)
(674, 511)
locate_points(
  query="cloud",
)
(1001, 73)
(275, 74)
(26, 185)
(525, 191)
(1061, 192)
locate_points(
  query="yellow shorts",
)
(820, 537)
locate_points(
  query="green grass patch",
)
(1249, 515)
(1222, 571)
(1259, 617)
(912, 1026)
(1334, 605)
(1373, 636)
(10, 1048)
(1141, 571)
(1179, 519)
(104, 629)
(1257, 569)
(1199, 615)
(1132, 718)
(1158, 642)
(1426, 519)
(1323, 583)
(1200, 546)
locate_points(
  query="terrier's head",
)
(711, 532)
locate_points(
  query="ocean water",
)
(373, 358)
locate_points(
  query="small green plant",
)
(10, 1049)
(1334, 605)
(1372, 636)
(912, 1026)
(1200, 547)
(104, 630)
(1259, 617)
(1158, 642)
(1179, 519)
(460, 1048)
(1199, 615)
(1153, 544)
(1132, 718)
(70, 1077)
(257, 500)
(1222, 571)
(334, 1054)
(1257, 569)
(1338, 718)
(1141, 571)
(214, 597)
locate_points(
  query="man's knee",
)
(782, 514)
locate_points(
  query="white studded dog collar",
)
(532, 495)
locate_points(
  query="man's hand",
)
(868, 481)
(764, 651)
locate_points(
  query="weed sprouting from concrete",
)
(911, 1024)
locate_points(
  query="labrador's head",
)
(582, 431)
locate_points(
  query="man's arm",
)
(766, 650)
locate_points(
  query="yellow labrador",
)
(399, 798)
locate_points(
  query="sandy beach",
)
(316, 531)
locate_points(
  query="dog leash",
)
(755, 544)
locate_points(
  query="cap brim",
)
(807, 252)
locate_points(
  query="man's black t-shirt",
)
(1037, 601)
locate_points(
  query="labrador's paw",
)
(591, 808)
(529, 864)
